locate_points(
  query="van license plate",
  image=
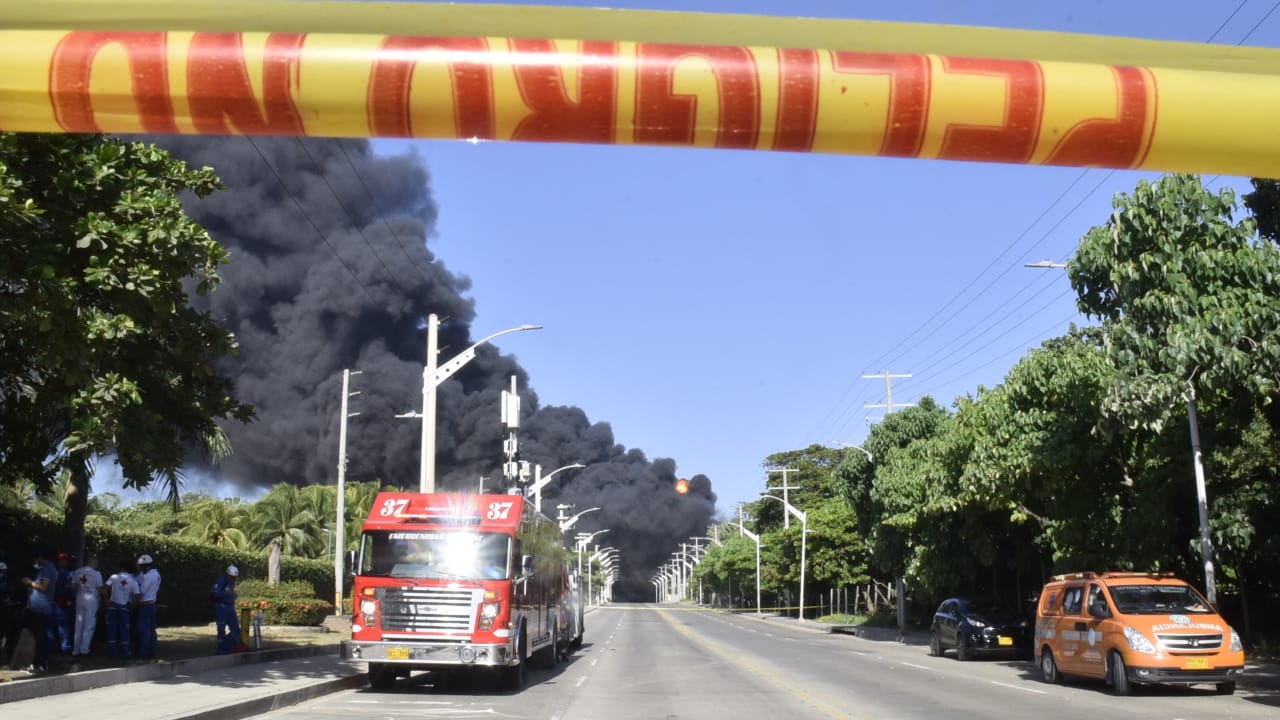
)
(397, 653)
(1197, 663)
(1004, 640)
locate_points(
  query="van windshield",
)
(452, 555)
(1158, 600)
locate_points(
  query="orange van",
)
(1133, 628)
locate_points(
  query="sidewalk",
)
(227, 687)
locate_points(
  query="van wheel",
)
(1227, 688)
(1048, 668)
(1117, 676)
(935, 644)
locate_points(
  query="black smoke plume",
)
(330, 269)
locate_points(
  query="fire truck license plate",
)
(1197, 663)
(397, 653)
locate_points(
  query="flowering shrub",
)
(289, 603)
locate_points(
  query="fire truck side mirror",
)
(526, 564)
(351, 563)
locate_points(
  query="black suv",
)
(978, 627)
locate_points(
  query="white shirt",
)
(149, 585)
(88, 582)
(123, 587)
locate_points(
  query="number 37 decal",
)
(499, 510)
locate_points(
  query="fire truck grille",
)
(429, 610)
(1190, 642)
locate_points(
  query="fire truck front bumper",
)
(427, 653)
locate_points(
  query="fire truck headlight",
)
(368, 607)
(488, 611)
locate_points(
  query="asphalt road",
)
(650, 662)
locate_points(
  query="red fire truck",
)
(453, 581)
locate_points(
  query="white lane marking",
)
(922, 667)
(580, 681)
(594, 661)
(557, 716)
(1019, 687)
(768, 634)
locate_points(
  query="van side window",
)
(1071, 600)
(1096, 597)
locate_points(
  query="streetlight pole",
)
(432, 377)
(756, 539)
(804, 532)
(568, 523)
(1202, 496)
(341, 500)
(540, 482)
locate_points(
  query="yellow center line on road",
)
(809, 696)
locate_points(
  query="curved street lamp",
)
(804, 532)
(870, 457)
(432, 376)
(540, 482)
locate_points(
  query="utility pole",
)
(427, 463)
(888, 404)
(340, 530)
(786, 498)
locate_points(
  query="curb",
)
(35, 687)
(257, 706)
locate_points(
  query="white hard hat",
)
(233, 571)
(144, 560)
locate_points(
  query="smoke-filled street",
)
(666, 662)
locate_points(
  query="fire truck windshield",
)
(455, 555)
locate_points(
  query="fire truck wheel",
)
(551, 653)
(512, 676)
(381, 677)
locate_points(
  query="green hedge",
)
(188, 569)
(289, 603)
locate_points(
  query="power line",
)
(307, 216)
(374, 201)
(355, 224)
(882, 359)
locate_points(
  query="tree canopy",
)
(101, 351)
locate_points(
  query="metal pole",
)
(804, 538)
(537, 488)
(758, 576)
(427, 464)
(1202, 499)
(340, 530)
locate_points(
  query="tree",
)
(1190, 305)
(1189, 300)
(100, 351)
(1264, 203)
(283, 515)
(216, 522)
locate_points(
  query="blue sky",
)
(719, 306)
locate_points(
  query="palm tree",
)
(360, 497)
(283, 515)
(216, 522)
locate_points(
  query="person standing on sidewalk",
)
(224, 611)
(148, 592)
(88, 582)
(63, 627)
(122, 592)
(9, 615)
(39, 607)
